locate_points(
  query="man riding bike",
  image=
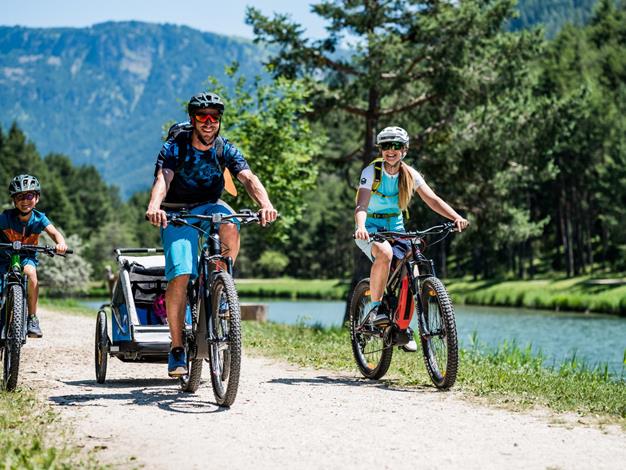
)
(385, 191)
(190, 174)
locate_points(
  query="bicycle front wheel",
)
(370, 353)
(225, 339)
(15, 316)
(438, 334)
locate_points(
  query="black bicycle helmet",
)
(23, 183)
(203, 101)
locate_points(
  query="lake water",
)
(593, 338)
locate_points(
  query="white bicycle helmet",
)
(393, 134)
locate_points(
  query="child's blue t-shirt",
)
(13, 229)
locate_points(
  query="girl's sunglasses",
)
(392, 146)
(207, 117)
(27, 196)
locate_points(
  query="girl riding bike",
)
(385, 191)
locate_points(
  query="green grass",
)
(67, 306)
(509, 374)
(292, 288)
(31, 437)
(582, 294)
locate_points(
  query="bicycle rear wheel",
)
(191, 381)
(15, 316)
(438, 334)
(225, 342)
(370, 353)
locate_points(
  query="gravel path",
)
(289, 417)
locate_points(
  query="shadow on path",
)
(162, 393)
(387, 385)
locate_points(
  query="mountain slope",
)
(101, 94)
(552, 14)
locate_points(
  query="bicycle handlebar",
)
(49, 250)
(434, 230)
(246, 216)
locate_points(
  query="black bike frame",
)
(11, 278)
(406, 267)
(210, 256)
(15, 276)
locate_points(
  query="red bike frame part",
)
(406, 305)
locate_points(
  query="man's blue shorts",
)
(180, 244)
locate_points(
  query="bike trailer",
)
(139, 330)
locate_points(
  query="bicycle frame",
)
(14, 276)
(211, 261)
(405, 279)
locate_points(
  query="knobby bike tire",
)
(190, 382)
(441, 352)
(101, 349)
(12, 351)
(225, 356)
(372, 357)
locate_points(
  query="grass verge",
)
(581, 294)
(31, 436)
(292, 288)
(508, 375)
(67, 306)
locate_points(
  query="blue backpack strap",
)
(181, 133)
(219, 150)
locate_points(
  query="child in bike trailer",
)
(24, 224)
(385, 191)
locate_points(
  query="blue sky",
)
(224, 17)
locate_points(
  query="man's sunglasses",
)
(27, 196)
(392, 145)
(207, 117)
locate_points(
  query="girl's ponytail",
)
(406, 186)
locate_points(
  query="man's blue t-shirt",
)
(13, 229)
(199, 178)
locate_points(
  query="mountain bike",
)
(412, 288)
(215, 332)
(14, 309)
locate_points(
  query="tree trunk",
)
(361, 263)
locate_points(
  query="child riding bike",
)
(24, 224)
(385, 190)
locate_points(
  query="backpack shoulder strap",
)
(181, 133)
(229, 185)
(378, 174)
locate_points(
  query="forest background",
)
(521, 130)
